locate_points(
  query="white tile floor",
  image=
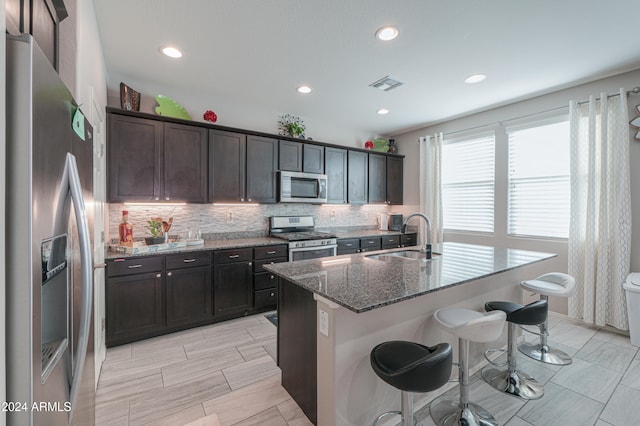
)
(229, 369)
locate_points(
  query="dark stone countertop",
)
(360, 283)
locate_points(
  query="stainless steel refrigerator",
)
(49, 276)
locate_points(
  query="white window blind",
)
(539, 193)
(468, 167)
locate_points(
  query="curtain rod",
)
(633, 91)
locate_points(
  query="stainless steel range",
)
(304, 241)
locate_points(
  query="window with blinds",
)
(539, 192)
(468, 170)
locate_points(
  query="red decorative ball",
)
(368, 144)
(210, 116)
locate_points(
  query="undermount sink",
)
(411, 254)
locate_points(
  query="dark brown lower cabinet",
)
(297, 347)
(189, 296)
(135, 307)
(232, 288)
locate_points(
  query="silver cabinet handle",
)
(272, 294)
(241, 199)
(234, 256)
(158, 275)
(189, 260)
(134, 266)
(272, 277)
(271, 252)
(169, 274)
(167, 198)
(249, 199)
(348, 245)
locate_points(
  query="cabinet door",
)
(135, 307)
(232, 288)
(227, 164)
(357, 177)
(336, 170)
(262, 166)
(313, 159)
(290, 156)
(189, 296)
(395, 182)
(134, 155)
(185, 163)
(377, 179)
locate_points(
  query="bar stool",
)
(551, 284)
(411, 367)
(467, 325)
(511, 380)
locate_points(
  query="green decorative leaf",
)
(170, 108)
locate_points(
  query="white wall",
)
(91, 93)
(3, 377)
(496, 119)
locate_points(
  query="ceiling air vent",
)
(386, 83)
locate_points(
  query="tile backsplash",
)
(252, 219)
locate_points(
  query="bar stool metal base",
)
(388, 413)
(448, 412)
(514, 382)
(544, 354)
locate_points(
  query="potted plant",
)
(155, 227)
(291, 125)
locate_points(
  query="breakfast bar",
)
(333, 311)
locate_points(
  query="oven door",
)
(312, 252)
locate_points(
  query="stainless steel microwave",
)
(296, 187)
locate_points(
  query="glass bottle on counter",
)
(125, 230)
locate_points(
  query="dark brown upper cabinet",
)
(290, 156)
(385, 179)
(395, 180)
(227, 166)
(134, 155)
(301, 157)
(313, 158)
(185, 163)
(336, 171)
(154, 161)
(262, 169)
(357, 171)
(41, 19)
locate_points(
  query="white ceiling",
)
(255, 53)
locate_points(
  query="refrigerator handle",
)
(71, 184)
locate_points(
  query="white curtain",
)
(600, 225)
(430, 191)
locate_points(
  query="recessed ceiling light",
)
(475, 78)
(387, 33)
(172, 52)
(383, 111)
(304, 89)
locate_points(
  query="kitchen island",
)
(333, 311)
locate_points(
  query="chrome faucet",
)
(427, 247)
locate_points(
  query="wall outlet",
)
(323, 323)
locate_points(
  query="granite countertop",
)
(360, 283)
(231, 243)
(220, 244)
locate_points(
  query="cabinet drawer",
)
(348, 244)
(140, 265)
(230, 256)
(370, 243)
(408, 239)
(264, 280)
(264, 298)
(257, 265)
(188, 260)
(391, 241)
(270, 252)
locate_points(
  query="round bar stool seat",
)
(551, 284)
(467, 325)
(411, 367)
(512, 380)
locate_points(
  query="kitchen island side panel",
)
(297, 355)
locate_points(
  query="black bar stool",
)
(411, 367)
(512, 380)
